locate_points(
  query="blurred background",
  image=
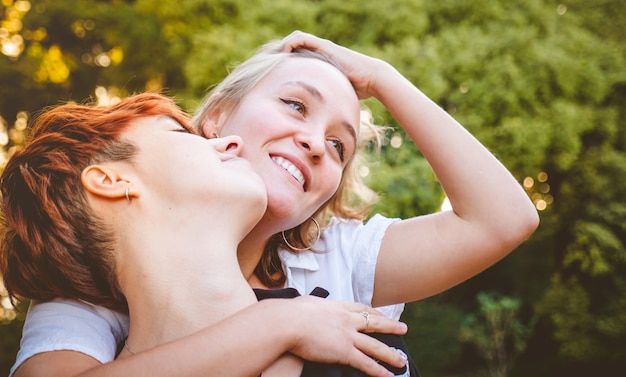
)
(541, 83)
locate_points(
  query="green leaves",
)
(542, 84)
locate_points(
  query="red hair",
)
(52, 245)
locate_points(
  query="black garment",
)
(312, 369)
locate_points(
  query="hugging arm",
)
(246, 343)
(446, 248)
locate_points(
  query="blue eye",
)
(339, 147)
(296, 105)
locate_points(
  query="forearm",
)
(246, 343)
(480, 189)
(243, 344)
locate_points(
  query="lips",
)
(291, 169)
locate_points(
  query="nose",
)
(230, 144)
(312, 143)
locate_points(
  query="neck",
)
(251, 248)
(180, 280)
(249, 254)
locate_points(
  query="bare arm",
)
(425, 255)
(246, 343)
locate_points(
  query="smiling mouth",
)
(290, 168)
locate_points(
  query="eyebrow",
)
(309, 88)
(316, 93)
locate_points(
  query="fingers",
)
(299, 39)
(378, 352)
(335, 334)
(359, 68)
(366, 317)
(374, 321)
(370, 320)
(368, 365)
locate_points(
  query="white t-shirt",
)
(71, 325)
(344, 264)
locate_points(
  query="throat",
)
(185, 312)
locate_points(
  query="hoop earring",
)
(127, 196)
(214, 135)
(319, 233)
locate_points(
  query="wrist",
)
(287, 313)
(383, 79)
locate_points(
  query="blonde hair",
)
(352, 199)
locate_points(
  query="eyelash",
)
(183, 130)
(339, 147)
(292, 102)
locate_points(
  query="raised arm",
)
(246, 343)
(425, 255)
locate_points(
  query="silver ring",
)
(366, 315)
(127, 196)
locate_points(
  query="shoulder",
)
(71, 325)
(339, 227)
(59, 311)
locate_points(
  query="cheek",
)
(251, 123)
(331, 181)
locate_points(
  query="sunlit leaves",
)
(11, 39)
(541, 83)
(594, 249)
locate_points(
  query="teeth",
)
(291, 169)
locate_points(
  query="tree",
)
(496, 331)
(541, 83)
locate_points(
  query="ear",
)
(209, 129)
(213, 123)
(105, 181)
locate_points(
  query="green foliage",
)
(10, 334)
(541, 83)
(584, 331)
(596, 251)
(11, 322)
(432, 337)
(406, 182)
(496, 331)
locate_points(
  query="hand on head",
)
(359, 68)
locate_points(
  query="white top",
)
(343, 263)
(71, 325)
